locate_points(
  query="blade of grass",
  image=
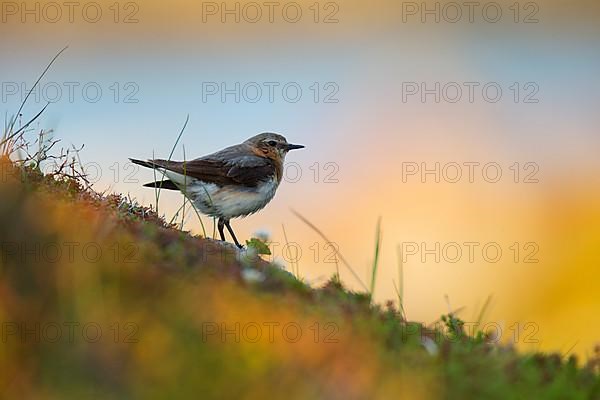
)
(8, 133)
(158, 188)
(400, 287)
(187, 119)
(199, 217)
(185, 196)
(185, 189)
(174, 217)
(197, 213)
(288, 253)
(38, 81)
(314, 228)
(21, 129)
(482, 312)
(565, 354)
(376, 258)
(337, 263)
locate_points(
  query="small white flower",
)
(247, 256)
(250, 275)
(263, 235)
(430, 345)
(278, 262)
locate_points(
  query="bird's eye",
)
(272, 143)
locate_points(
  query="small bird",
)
(234, 182)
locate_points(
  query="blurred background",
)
(472, 131)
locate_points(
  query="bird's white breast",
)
(225, 201)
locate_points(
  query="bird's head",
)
(272, 145)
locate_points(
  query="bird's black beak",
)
(293, 146)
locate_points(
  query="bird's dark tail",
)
(169, 185)
(146, 164)
(166, 184)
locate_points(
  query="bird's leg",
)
(232, 234)
(221, 225)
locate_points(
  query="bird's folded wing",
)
(246, 170)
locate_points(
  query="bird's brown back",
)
(242, 164)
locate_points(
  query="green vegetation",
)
(100, 297)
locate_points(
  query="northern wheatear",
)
(234, 182)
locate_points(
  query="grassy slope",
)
(177, 300)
